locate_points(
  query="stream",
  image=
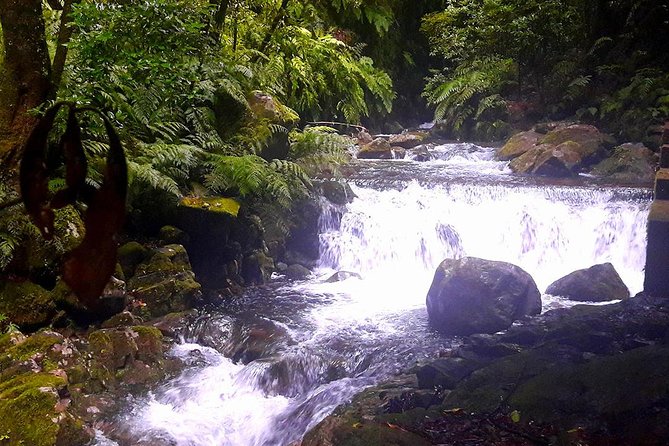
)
(329, 341)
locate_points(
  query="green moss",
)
(149, 343)
(27, 409)
(26, 304)
(212, 204)
(37, 343)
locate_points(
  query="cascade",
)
(348, 335)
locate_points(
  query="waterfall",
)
(344, 336)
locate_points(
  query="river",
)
(331, 340)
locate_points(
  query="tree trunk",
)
(26, 75)
(64, 36)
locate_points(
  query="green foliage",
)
(471, 93)
(254, 178)
(319, 149)
(642, 102)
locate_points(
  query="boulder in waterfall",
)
(518, 144)
(421, 152)
(561, 152)
(408, 140)
(399, 153)
(336, 192)
(472, 295)
(599, 283)
(343, 275)
(297, 272)
(378, 149)
(629, 163)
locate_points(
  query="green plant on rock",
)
(318, 149)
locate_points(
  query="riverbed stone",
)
(297, 272)
(472, 295)
(165, 283)
(408, 140)
(518, 144)
(421, 152)
(599, 283)
(629, 163)
(379, 148)
(26, 304)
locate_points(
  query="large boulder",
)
(563, 151)
(26, 304)
(268, 109)
(630, 163)
(408, 140)
(380, 148)
(518, 144)
(599, 283)
(472, 295)
(165, 283)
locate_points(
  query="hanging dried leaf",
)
(34, 177)
(88, 268)
(75, 164)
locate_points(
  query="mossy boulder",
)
(599, 283)
(266, 109)
(336, 192)
(130, 357)
(32, 412)
(130, 255)
(472, 295)
(171, 235)
(629, 163)
(165, 283)
(518, 144)
(563, 151)
(379, 148)
(26, 304)
(297, 272)
(408, 140)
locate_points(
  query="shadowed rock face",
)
(599, 283)
(472, 295)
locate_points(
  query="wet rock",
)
(408, 140)
(129, 357)
(599, 283)
(420, 152)
(564, 151)
(165, 283)
(26, 304)
(518, 144)
(366, 421)
(445, 373)
(343, 275)
(302, 244)
(472, 295)
(337, 192)
(123, 319)
(175, 325)
(399, 153)
(242, 339)
(363, 137)
(379, 148)
(629, 163)
(130, 255)
(171, 235)
(297, 272)
(257, 268)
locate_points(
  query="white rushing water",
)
(348, 335)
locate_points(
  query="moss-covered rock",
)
(30, 413)
(130, 255)
(629, 163)
(26, 304)
(165, 283)
(257, 268)
(379, 148)
(170, 235)
(518, 144)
